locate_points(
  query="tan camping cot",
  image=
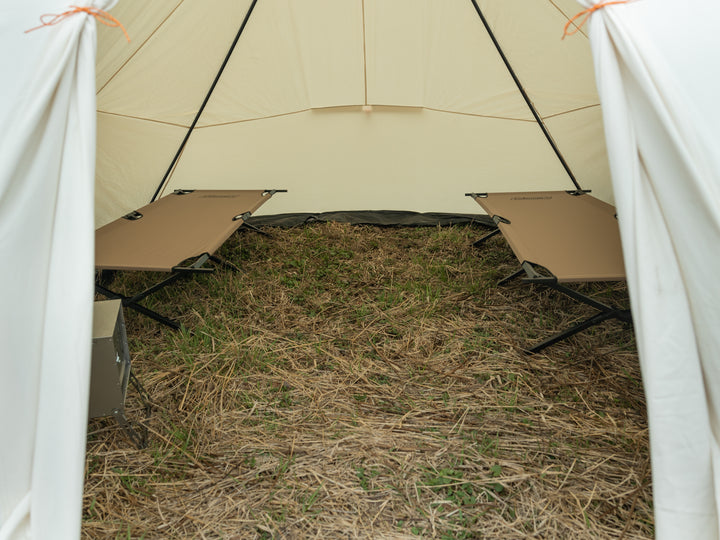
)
(177, 234)
(560, 237)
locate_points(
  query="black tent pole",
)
(529, 103)
(205, 101)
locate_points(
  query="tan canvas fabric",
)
(401, 159)
(576, 237)
(173, 229)
(446, 115)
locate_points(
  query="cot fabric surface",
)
(174, 228)
(573, 235)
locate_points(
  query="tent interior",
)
(366, 105)
(356, 105)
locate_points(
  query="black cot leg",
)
(138, 437)
(133, 302)
(512, 276)
(587, 323)
(128, 302)
(154, 315)
(223, 262)
(147, 292)
(604, 313)
(246, 225)
(480, 241)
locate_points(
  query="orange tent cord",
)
(49, 19)
(586, 13)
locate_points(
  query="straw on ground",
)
(361, 382)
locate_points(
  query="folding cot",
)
(177, 234)
(560, 237)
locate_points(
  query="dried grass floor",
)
(361, 382)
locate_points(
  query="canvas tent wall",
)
(447, 116)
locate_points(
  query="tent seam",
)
(444, 111)
(579, 30)
(143, 119)
(364, 39)
(562, 113)
(142, 45)
(376, 105)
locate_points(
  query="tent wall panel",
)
(287, 106)
(144, 19)
(581, 137)
(555, 73)
(168, 77)
(132, 156)
(345, 159)
(437, 55)
(290, 59)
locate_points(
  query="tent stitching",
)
(140, 47)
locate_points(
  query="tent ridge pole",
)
(525, 96)
(205, 102)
